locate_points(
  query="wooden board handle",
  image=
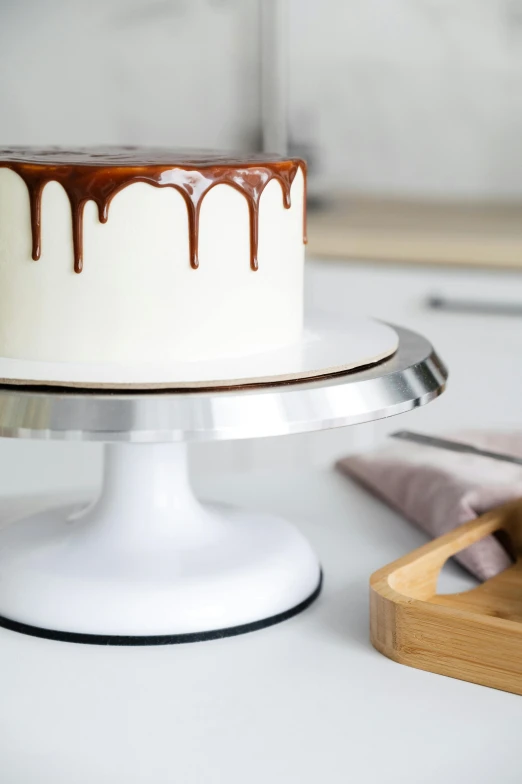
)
(416, 574)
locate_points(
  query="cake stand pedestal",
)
(147, 563)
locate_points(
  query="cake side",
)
(98, 174)
(210, 266)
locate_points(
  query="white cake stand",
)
(147, 563)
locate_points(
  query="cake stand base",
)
(148, 564)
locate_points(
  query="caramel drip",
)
(93, 175)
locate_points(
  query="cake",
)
(148, 255)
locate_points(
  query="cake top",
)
(129, 156)
(98, 173)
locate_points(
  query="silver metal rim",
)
(412, 377)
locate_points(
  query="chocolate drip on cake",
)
(97, 175)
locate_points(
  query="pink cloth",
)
(438, 489)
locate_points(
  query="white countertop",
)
(308, 700)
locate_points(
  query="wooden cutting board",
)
(475, 635)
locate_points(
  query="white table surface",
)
(309, 700)
(306, 701)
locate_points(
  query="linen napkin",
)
(438, 490)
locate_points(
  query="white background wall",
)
(180, 72)
(416, 96)
(408, 96)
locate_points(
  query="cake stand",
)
(147, 563)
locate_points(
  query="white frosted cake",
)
(136, 255)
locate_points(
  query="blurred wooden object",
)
(475, 635)
(476, 234)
